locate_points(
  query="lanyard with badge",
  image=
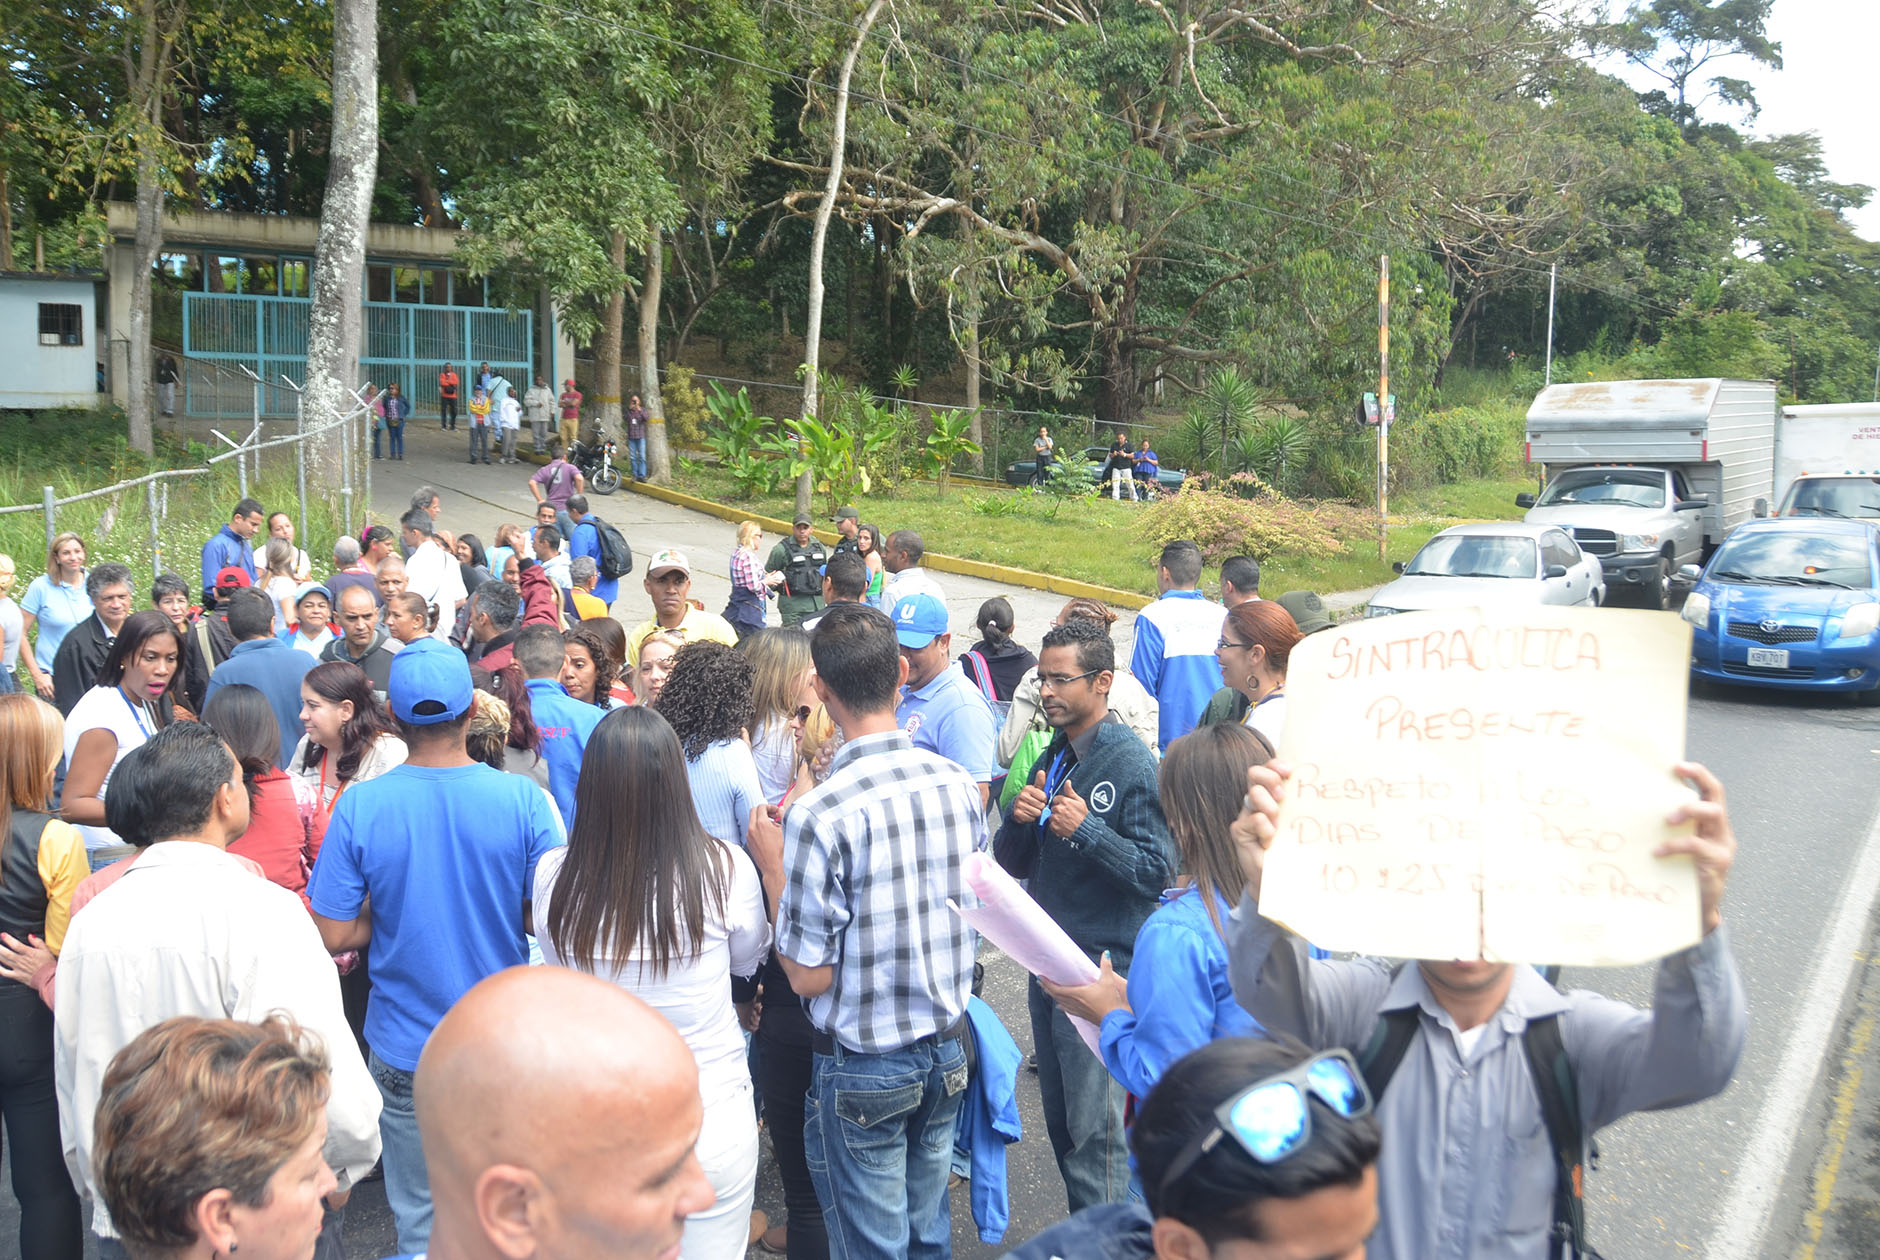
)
(1053, 780)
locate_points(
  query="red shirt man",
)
(570, 426)
(447, 397)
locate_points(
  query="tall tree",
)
(1676, 41)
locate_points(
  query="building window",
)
(378, 283)
(61, 324)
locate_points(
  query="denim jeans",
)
(397, 432)
(878, 1137)
(479, 442)
(377, 429)
(407, 1185)
(1083, 1108)
(636, 448)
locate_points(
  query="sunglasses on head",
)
(1271, 1119)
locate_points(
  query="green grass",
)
(1491, 500)
(1094, 540)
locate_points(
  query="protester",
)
(1256, 643)
(657, 651)
(392, 579)
(431, 570)
(280, 837)
(636, 419)
(480, 425)
(12, 627)
(538, 407)
(431, 864)
(508, 411)
(281, 526)
(794, 572)
(377, 545)
(473, 560)
(1006, 660)
(883, 966)
(82, 652)
(1173, 654)
(585, 540)
(707, 699)
(553, 556)
(564, 723)
(612, 637)
(1294, 1176)
(1098, 859)
(746, 609)
(231, 547)
(868, 543)
(522, 743)
(211, 1132)
(55, 602)
(449, 385)
(277, 564)
(210, 641)
(668, 583)
(570, 400)
(1240, 580)
(508, 539)
(408, 618)
(1177, 996)
(781, 674)
(132, 701)
(349, 570)
(587, 671)
(845, 581)
(42, 861)
(901, 559)
(349, 739)
(1025, 726)
(312, 631)
(1463, 1070)
(393, 409)
(555, 482)
(644, 896)
(362, 642)
(942, 710)
(263, 662)
(190, 931)
(495, 621)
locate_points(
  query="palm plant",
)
(1227, 405)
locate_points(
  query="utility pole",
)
(1553, 270)
(1383, 400)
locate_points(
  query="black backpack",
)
(616, 559)
(1560, 1108)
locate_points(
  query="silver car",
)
(1501, 562)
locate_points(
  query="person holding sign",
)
(1483, 1156)
(1089, 833)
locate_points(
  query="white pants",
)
(166, 398)
(1119, 479)
(727, 1150)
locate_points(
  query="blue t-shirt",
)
(276, 671)
(58, 607)
(447, 857)
(564, 724)
(949, 716)
(587, 542)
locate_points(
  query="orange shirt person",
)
(447, 397)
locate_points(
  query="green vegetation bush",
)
(1224, 523)
(1460, 444)
(686, 408)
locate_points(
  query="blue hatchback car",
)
(1792, 603)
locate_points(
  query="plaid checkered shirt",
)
(870, 858)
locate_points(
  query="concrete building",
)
(49, 339)
(235, 290)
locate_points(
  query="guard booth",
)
(234, 291)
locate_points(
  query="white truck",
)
(1828, 460)
(1650, 475)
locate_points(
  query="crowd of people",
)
(439, 867)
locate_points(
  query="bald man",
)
(558, 1114)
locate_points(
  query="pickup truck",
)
(1650, 475)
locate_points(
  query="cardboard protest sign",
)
(1486, 782)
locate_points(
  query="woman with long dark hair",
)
(868, 543)
(707, 699)
(135, 697)
(42, 861)
(613, 640)
(643, 896)
(522, 749)
(349, 738)
(587, 670)
(281, 807)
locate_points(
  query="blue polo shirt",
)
(564, 724)
(949, 716)
(227, 549)
(587, 542)
(275, 670)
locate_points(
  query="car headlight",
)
(1860, 621)
(1378, 610)
(1696, 609)
(1637, 542)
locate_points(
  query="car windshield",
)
(1475, 555)
(1834, 496)
(1624, 486)
(1767, 557)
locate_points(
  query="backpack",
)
(1552, 1074)
(616, 558)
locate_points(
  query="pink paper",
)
(1010, 919)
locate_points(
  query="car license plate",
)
(1769, 658)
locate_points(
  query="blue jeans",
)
(376, 430)
(407, 1185)
(878, 1137)
(636, 448)
(1083, 1108)
(479, 442)
(398, 440)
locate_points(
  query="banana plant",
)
(950, 439)
(827, 454)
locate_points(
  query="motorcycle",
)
(596, 462)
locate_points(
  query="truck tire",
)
(1657, 592)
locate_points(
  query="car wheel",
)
(1658, 591)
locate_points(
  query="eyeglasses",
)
(1229, 643)
(1271, 1119)
(1057, 682)
(801, 716)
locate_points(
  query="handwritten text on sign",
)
(1486, 782)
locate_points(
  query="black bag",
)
(616, 560)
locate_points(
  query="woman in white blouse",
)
(641, 895)
(133, 700)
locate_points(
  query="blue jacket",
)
(564, 724)
(989, 1118)
(1108, 1231)
(224, 550)
(275, 670)
(587, 542)
(1179, 995)
(1174, 658)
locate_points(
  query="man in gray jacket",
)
(1468, 1170)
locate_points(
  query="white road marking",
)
(1739, 1231)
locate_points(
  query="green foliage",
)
(1070, 479)
(1224, 524)
(1460, 444)
(686, 407)
(951, 438)
(747, 444)
(1224, 410)
(827, 454)
(1717, 343)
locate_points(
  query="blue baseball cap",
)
(919, 620)
(430, 683)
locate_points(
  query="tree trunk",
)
(658, 450)
(607, 344)
(6, 223)
(147, 243)
(339, 256)
(819, 237)
(971, 347)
